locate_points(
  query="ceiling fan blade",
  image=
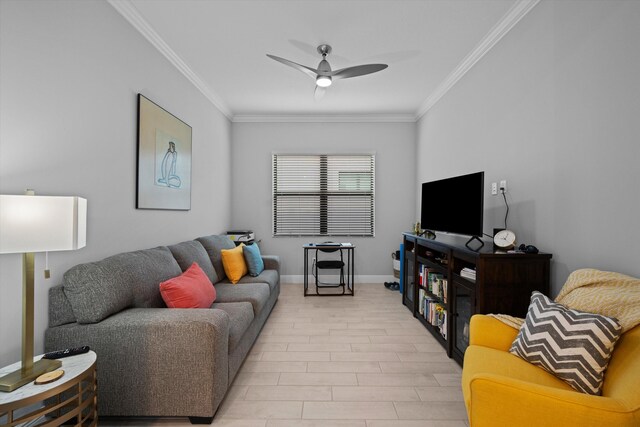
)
(307, 70)
(319, 92)
(358, 70)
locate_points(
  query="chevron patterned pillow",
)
(573, 345)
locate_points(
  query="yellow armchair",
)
(501, 389)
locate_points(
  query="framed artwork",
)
(164, 159)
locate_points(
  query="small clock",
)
(505, 239)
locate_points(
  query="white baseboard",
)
(359, 279)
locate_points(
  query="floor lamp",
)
(31, 224)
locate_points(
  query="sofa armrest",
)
(155, 361)
(524, 404)
(490, 332)
(271, 262)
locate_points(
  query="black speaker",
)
(528, 249)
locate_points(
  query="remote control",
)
(59, 354)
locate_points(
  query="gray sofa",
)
(152, 360)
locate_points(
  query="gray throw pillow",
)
(573, 345)
(60, 310)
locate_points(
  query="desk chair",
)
(328, 264)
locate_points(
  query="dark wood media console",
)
(443, 299)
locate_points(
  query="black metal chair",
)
(328, 264)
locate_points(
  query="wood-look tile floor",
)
(360, 361)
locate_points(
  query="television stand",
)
(445, 283)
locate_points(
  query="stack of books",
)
(435, 283)
(433, 312)
(468, 273)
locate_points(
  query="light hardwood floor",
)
(360, 361)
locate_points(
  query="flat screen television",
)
(454, 205)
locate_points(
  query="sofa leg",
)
(201, 420)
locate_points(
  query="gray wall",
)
(394, 146)
(69, 75)
(553, 108)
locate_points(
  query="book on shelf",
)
(434, 313)
(421, 274)
(445, 288)
(468, 273)
(433, 282)
(426, 277)
(436, 284)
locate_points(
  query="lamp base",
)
(18, 378)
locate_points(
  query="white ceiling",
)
(221, 45)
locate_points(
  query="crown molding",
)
(131, 14)
(327, 118)
(508, 21)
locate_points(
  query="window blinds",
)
(323, 195)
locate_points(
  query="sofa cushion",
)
(252, 257)
(186, 253)
(255, 293)
(271, 262)
(267, 276)
(99, 289)
(240, 317)
(213, 245)
(234, 265)
(192, 289)
(60, 311)
(573, 345)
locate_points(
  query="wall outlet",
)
(503, 185)
(494, 188)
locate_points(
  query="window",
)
(323, 195)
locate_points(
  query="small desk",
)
(71, 399)
(349, 288)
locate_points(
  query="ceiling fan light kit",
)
(323, 81)
(323, 75)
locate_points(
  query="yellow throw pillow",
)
(234, 264)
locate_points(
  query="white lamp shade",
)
(42, 223)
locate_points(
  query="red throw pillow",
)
(192, 289)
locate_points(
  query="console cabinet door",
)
(408, 295)
(463, 307)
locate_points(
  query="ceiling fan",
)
(324, 76)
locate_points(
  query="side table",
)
(71, 399)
